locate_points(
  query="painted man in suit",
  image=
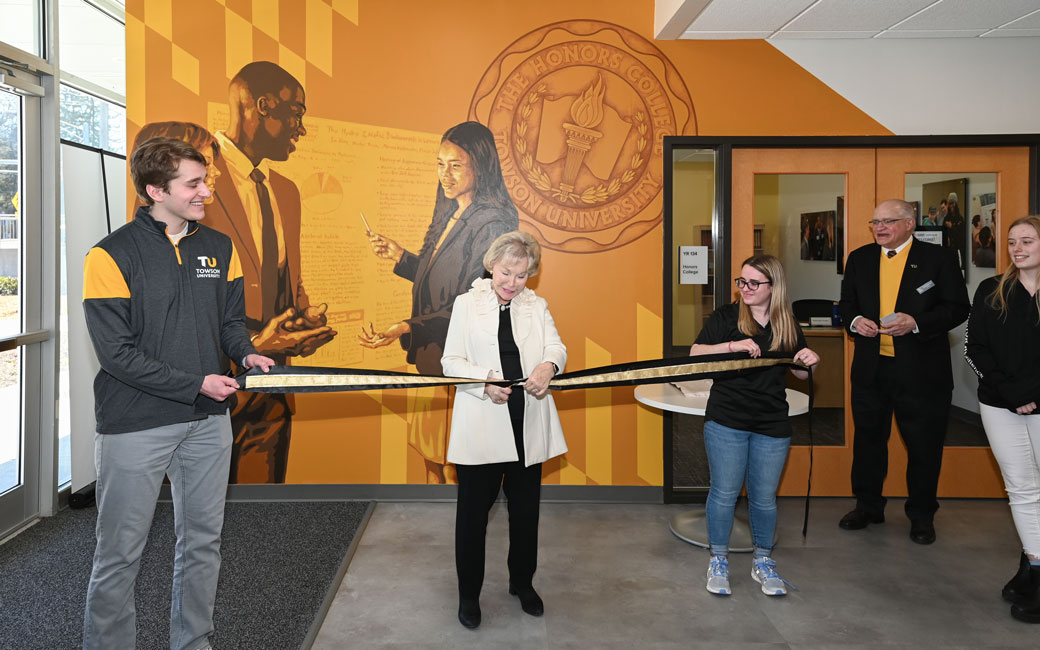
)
(900, 297)
(260, 210)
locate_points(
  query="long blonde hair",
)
(781, 316)
(998, 299)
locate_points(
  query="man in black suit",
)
(900, 297)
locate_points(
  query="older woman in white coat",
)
(500, 329)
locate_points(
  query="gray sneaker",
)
(718, 575)
(763, 570)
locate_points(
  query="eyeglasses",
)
(750, 284)
(887, 222)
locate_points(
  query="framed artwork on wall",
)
(946, 196)
(839, 238)
(817, 234)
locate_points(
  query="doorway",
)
(778, 191)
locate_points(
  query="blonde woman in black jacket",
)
(1002, 345)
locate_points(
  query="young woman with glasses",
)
(746, 431)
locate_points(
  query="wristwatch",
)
(556, 369)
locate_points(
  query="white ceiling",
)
(802, 19)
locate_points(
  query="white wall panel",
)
(931, 86)
(86, 222)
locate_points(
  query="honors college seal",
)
(578, 110)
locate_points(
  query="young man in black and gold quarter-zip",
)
(163, 302)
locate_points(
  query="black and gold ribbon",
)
(311, 379)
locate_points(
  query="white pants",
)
(1015, 441)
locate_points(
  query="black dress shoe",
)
(469, 613)
(530, 601)
(922, 531)
(1020, 588)
(857, 519)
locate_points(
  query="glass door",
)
(19, 310)
(810, 207)
(696, 246)
(976, 192)
(796, 204)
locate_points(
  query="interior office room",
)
(631, 137)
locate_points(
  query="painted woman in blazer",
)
(500, 436)
(472, 209)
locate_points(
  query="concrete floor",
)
(614, 577)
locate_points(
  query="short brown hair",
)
(155, 162)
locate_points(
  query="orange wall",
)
(379, 67)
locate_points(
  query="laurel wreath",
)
(541, 181)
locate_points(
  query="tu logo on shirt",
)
(207, 267)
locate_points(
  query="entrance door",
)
(810, 207)
(20, 307)
(991, 183)
(796, 202)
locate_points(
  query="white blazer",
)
(480, 429)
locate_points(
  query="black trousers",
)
(922, 413)
(478, 489)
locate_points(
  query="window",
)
(20, 26)
(93, 44)
(85, 119)
(10, 296)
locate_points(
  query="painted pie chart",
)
(321, 193)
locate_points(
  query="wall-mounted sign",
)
(693, 265)
(931, 235)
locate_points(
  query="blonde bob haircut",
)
(781, 315)
(515, 245)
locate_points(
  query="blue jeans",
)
(130, 468)
(733, 457)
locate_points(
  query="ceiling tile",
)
(967, 14)
(858, 19)
(1006, 33)
(787, 34)
(1030, 21)
(945, 33)
(856, 15)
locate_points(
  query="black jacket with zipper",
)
(1004, 351)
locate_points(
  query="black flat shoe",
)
(922, 532)
(530, 601)
(859, 519)
(469, 613)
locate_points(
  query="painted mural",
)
(339, 132)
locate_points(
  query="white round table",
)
(692, 526)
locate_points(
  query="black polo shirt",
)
(754, 400)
